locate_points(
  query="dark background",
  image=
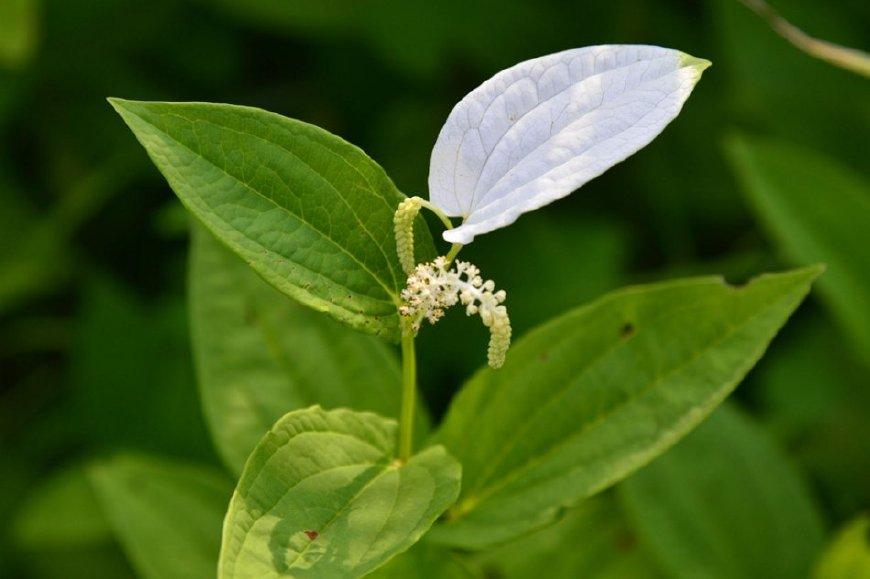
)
(94, 351)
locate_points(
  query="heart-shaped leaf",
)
(725, 503)
(309, 211)
(323, 496)
(539, 130)
(595, 394)
(260, 354)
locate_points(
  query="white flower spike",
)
(432, 288)
(539, 130)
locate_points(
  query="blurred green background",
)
(94, 347)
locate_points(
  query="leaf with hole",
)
(593, 395)
(322, 495)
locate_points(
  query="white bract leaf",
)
(539, 130)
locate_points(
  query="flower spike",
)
(403, 222)
(433, 288)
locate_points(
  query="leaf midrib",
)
(525, 114)
(332, 186)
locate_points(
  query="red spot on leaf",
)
(312, 534)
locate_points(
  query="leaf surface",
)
(541, 129)
(593, 395)
(322, 496)
(725, 503)
(166, 515)
(260, 354)
(816, 211)
(592, 541)
(308, 211)
(848, 555)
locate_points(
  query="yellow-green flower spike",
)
(403, 222)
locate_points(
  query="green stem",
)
(409, 393)
(451, 255)
(440, 214)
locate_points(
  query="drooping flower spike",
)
(435, 287)
(539, 130)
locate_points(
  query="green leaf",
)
(597, 393)
(18, 31)
(61, 512)
(166, 515)
(260, 355)
(592, 541)
(308, 211)
(817, 211)
(322, 496)
(848, 555)
(427, 561)
(725, 503)
(133, 381)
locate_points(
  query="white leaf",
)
(539, 130)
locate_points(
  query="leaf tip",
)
(699, 64)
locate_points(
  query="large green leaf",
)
(323, 496)
(592, 541)
(597, 393)
(307, 210)
(817, 211)
(260, 355)
(427, 561)
(167, 515)
(848, 555)
(725, 503)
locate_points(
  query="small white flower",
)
(432, 288)
(541, 129)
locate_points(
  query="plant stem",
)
(440, 214)
(409, 394)
(454, 250)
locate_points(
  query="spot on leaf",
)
(626, 331)
(312, 534)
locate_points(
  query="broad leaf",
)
(597, 393)
(260, 355)
(848, 555)
(817, 211)
(592, 541)
(166, 515)
(323, 496)
(541, 129)
(426, 561)
(725, 503)
(307, 210)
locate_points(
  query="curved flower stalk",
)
(541, 129)
(433, 288)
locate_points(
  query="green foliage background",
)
(765, 169)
